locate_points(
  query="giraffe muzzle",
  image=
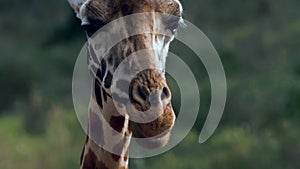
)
(149, 89)
(151, 96)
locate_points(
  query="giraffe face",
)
(148, 89)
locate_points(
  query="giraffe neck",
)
(95, 157)
(107, 129)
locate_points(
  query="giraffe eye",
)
(172, 24)
(91, 26)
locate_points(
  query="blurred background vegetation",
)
(258, 42)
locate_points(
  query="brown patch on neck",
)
(90, 162)
(126, 155)
(116, 157)
(117, 123)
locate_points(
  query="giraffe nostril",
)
(142, 92)
(139, 96)
(148, 89)
(165, 93)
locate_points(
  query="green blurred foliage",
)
(258, 43)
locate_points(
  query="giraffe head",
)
(147, 90)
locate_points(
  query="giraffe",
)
(107, 125)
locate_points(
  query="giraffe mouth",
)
(139, 133)
(157, 128)
(155, 134)
(152, 142)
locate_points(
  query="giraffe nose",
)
(143, 97)
(150, 91)
(165, 94)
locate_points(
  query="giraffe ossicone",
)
(135, 101)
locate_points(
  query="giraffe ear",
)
(76, 5)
